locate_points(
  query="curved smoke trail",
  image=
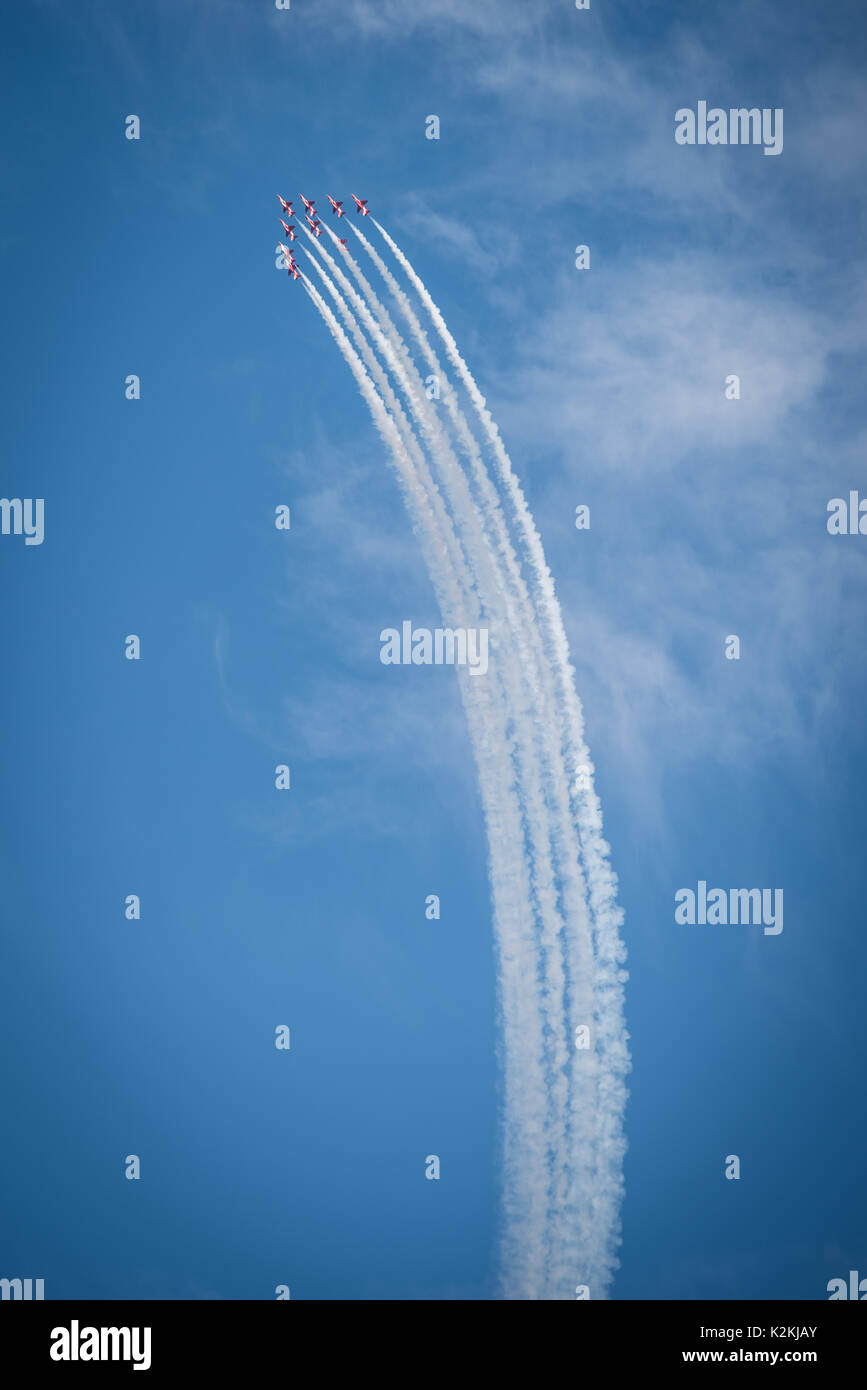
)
(555, 912)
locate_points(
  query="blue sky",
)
(708, 517)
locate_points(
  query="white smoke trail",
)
(611, 1037)
(525, 1118)
(417, 464)
(555, 767)
(585, 1183)
(532, 723)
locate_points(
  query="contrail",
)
(585, 1015)
(559, 946)
(611, 1040)
(417, 464)
(524, 1140)
(555, 766)
(539, 768)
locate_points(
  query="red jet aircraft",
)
(309, 206)
(287, 207)
(289, 230)
(336, 207)
(361, 206)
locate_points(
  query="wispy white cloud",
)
(402, 18)
(631, 364)
(455, 237)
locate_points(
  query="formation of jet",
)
(336, 206)
(315, 226)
